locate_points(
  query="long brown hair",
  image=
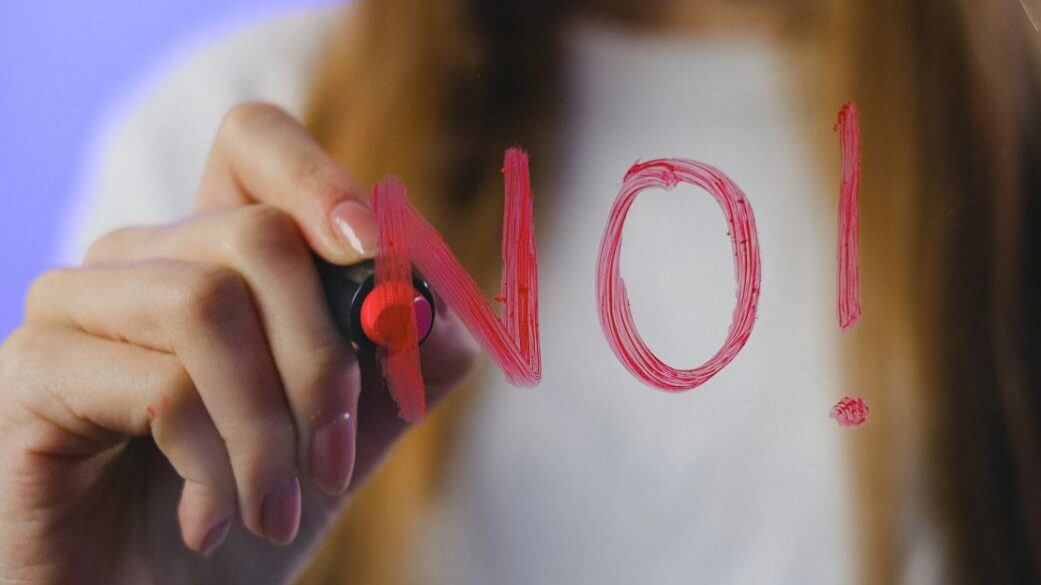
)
(948, 351)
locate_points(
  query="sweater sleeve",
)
(153, 149)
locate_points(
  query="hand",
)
(198, 361)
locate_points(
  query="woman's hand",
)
(198, 361)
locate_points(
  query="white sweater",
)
(593, 477)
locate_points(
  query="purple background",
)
(62, 65)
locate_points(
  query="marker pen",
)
(359, 307)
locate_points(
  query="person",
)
(179, 404)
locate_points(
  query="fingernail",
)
(355, 227)
(215, 537)
(280, 512)
(332, 454)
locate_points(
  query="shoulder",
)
(153, 144)
(272, 60)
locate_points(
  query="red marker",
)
(365, 313)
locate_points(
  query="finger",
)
(262, 155)
(319, 372)
(204, 315)
(106, 391)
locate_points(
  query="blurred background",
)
(67, 71)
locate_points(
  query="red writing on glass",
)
(511, 340)
(616, 317)
(398, 356)
(848, 127)
(850, 412)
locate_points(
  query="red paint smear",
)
(850, 412)
(848, 127)
(398, 361)
(511, 341)
(164, 406)
(616, 317)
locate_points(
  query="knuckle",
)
(176, 388)
(333, 379)
(212, 295)
(14, 350)
(20, 355)
(247, 115)
(263, 231)
(178, 402)
(263, 437)
(43, 290)
(321, 180)
(109, 246)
